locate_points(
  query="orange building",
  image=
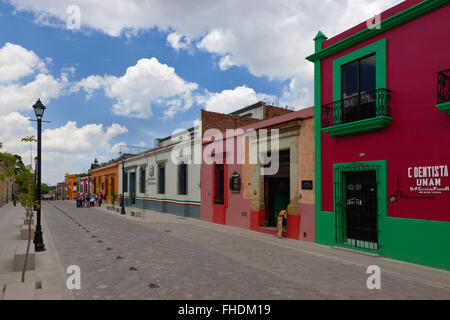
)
(71, 185)
(105, 180)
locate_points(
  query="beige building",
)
(6, 189)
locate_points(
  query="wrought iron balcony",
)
(443, 87)
(367, 105)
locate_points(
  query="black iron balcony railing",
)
(443, 94)
(358, 107)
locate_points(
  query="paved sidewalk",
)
(163, 256)
(48, 268)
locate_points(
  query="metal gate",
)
(357, 209)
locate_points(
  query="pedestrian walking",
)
(100, 199)
(92, 200)
(77, 198)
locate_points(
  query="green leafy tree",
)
(30, 140)
(45, 189)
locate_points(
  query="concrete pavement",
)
(49, 274)
(163, 256)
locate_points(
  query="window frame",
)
(161, 182)
(379, 48)
(142, 179)
(182, 187)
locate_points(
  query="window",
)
(161, 178)
(112, 184)
(443, 91)
(142, 181)
(182, 179)
(125, 182)
(361, 100)
(358, 89)
(219, 178)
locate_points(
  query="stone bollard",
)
(19, 257)
(24, 234)
(20, 291)
(27, 220)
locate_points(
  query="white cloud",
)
(17, 62)
(147, 83)
(179, 42)
(270, 38)
(69, 147)
(226, 62)
(17, 94)
(228, 101)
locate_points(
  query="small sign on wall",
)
(235, 182)
(429, 180)
(307, 184)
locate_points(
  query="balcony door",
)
(359, 89)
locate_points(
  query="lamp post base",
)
(38, 241)
(123, 211)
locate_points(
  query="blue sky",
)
(103, 77)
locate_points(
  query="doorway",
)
(277, 198)
(132, 188)
(361, 207)
(277, 190)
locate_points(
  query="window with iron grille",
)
(161, 178)
(219, 180)
(361, 101)
(142, 181)
(182, 179)
(125, 182)
(443, 87)
(359, 203)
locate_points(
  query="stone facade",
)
(6, 187)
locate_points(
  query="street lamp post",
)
(35, 181)
(38, 240)
(123, 185)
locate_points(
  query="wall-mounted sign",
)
(429, 180)
(151, 171)
(307, 184)
(235, 182)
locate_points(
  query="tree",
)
(45, 189)
(30, 139)
(94, 164)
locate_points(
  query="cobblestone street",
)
(168, 257)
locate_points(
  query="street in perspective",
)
(196, 155)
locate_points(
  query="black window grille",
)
(182, 179)
(359, 107)
(357, 209)
(219, 177)
(161, 178)
(443, 86)
(142, 181)
(125, 182)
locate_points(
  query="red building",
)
(236, 193)
(382, 135)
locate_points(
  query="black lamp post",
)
(35, 181)
(38, 240)
(123, 185)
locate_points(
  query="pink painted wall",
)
(235, 205)
(418, 134)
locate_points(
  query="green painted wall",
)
(417, 241)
